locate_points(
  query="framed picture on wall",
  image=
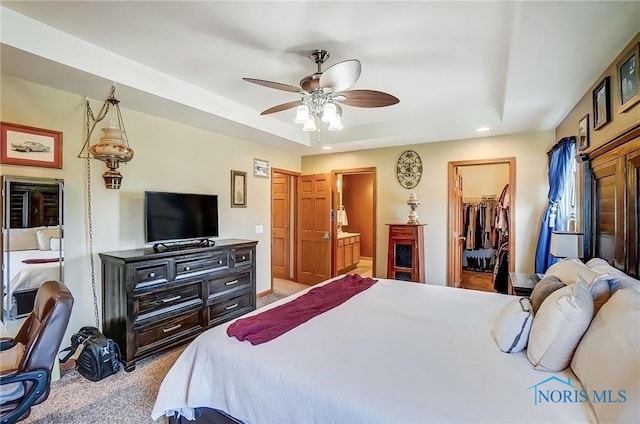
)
(629, 79)
(583, 133)
(238, 189)
(601, 104)
(261, 168)
(30, 146)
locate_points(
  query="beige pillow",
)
(21, 239)
(44, 237)
(558, 326)
(543, 289)
(55, 243)
(568, 271)
(608, 359)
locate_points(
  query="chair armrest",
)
(6, 343)
(40, 379)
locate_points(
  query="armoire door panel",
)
(610, 238)
(633, 212)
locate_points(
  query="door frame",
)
(334, 204)
(451, 204)
(293, 199)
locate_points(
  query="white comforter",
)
(29, 276)
(397, 352)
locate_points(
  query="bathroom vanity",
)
(347, 252)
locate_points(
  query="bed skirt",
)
(206, 416)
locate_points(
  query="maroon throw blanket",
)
(40, 261)
(270, 324)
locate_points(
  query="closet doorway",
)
(481, 222)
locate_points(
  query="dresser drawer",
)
(403, 232)
(149, 337)
(204, 263)
(232, 282)
(229, 308)
(164, 301)
(242, 256)
(150, 274)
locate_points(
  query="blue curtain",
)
(560, 158)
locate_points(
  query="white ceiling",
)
(455, 66)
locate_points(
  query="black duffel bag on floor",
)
(96, 356)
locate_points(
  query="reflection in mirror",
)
(32, 240)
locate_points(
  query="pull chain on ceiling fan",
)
(324, 92)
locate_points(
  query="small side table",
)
(522, 284)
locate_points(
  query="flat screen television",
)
(180, 216)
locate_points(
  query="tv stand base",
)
(163, 247)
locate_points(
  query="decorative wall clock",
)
(409, 169)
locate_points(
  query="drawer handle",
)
(187, 268)
(175, 327)
(219, 261)
(152, 274)
(235, 305)
(171, 299)
(230, 283)
(242, 258)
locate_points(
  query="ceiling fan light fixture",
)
(310, 125)
(302, 114)
(336, 124)
(329, 112)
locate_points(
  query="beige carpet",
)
(126, 397)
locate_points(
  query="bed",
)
(397, 352)
(405, 352)
(31, 257)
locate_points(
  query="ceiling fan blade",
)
(276, 85)
(279, 108)
(341, 76)
(368, 98)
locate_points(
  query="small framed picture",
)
(30, 146)
(601, 104)
(238, 189)
(629, 79)
(583, 133)
(261, 168)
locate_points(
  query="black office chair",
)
(27, 359)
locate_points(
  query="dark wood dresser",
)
(152, 301)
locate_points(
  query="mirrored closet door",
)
(32, 240)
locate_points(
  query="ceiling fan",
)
(324, 91)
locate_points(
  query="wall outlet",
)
(259, 229)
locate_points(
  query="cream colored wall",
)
(529, 149)
(481, 180)
(168, 156)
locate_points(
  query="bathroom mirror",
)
(32, 240)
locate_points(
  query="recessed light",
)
(482, 129)
(327, 147)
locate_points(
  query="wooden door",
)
(457, 228)
(314, 228)
(633, 212)
(280, 226)
(609, 192)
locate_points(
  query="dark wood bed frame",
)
(611, 217)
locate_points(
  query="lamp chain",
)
(92, 118)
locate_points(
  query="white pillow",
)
(511, 330)
(616, 278)
(558, 326)
(44, 236)
(607, 358)
(55, 243)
